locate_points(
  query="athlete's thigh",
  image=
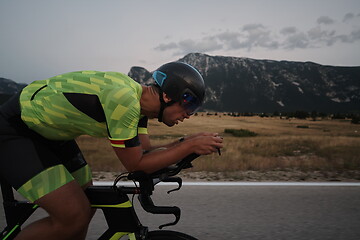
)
(31, 167)
(72, 158)
(67, 203)
(21, 160)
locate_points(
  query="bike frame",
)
(113, 200)
(16, 212)
(117, 208)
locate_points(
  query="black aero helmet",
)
(182, 83)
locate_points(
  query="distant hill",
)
(8, 88)
(249, 85)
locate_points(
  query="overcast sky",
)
(40, 39)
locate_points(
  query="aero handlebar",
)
(148, 181)
(165, 172)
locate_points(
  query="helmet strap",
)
(163, 105)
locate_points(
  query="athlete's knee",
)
(74, 223)
(69, 210)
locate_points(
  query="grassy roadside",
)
(269, 145)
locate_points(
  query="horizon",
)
(206, 55)
(40, 39)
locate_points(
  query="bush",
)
(301, 114)
(355, 120)
(240, 132)
(302, 126)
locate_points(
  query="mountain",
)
(140, 75)
(248, 85)
(8, 88)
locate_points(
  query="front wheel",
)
(168, 235)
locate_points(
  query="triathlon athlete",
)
(41, 160)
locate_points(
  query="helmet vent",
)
(159, 77)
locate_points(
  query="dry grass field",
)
(329, 148)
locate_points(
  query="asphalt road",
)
(256, 212)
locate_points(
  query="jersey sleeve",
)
(122, 112)
(142, 126)
(135, 141)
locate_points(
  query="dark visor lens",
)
(190, 103)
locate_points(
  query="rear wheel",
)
(168, 235)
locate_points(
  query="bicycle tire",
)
(168, 235)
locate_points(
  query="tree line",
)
(300, 114)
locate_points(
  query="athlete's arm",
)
(133, 158)
(147, 146)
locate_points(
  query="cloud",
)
(288, 30)
(297, 40)
(317, 35)
(206, 44)
(252, 27)
(355, 35)
(166, 46)
(229, 40)
(325, 20)
(258, 36)
(250, 36)
(227, 36)
(352, 37)
(348, 17)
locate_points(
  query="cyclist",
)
(40, 158)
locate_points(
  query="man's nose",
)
(186, 115)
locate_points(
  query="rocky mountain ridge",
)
(249, 85)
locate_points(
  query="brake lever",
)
(148, 205)
(176, 180)
(177, 218)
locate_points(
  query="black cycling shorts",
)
(32, 164)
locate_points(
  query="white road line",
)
(302, 184)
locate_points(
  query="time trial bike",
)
(121, 217)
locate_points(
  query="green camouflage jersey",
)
(91, 103)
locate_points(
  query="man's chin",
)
(169, 124)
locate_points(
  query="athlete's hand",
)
(206, 144)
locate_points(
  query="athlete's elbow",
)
(137, 165)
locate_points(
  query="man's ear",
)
(166, 98)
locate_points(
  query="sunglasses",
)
(190, 103)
